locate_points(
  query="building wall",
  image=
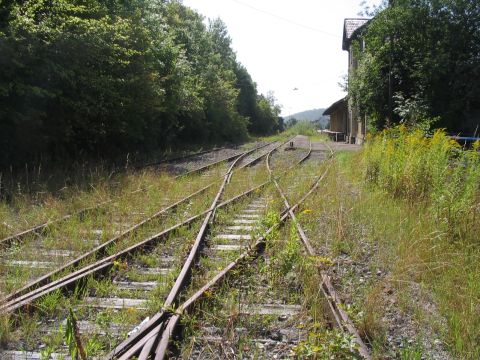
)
(338, 120)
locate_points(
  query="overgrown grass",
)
(441, 182)
(135, 195)
(128, 207)
(411, 211)
(288, 276)
(79, 234)
(433, 170)
(303, 127)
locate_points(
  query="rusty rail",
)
(143, 341)
(167, 328)
(227, 159)
(334, 303)
(106, 263)
(22, 298)
(40, 227)
(176, 158)
(101, 249)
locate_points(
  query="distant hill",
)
(314, 115)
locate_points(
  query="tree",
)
(100, 78)
(430, 50)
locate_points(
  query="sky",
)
(292, 48)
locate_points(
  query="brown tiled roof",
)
(349, 28)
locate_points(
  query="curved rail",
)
(341, 318)
(250, 254)
(157, 330)
(146, 338)
(5, 242)
(176, 158)
(227, 159)
(26, 295)
(101, 249)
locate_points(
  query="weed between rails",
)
(125, 190)
(75, 235)
(106, 327)
(283, 274)
(159, 191)
(245, 179)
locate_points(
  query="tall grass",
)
(303, 127)
(431, 203)
(434, 170)
(408, 206)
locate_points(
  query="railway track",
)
(150, 277)
(153, 339)
(335, 311)
(50, 285)
(179, 158)
(215, 339)
(182, 169)
(145, 340)
(39, 250)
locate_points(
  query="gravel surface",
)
(354, 277)
(182, 166)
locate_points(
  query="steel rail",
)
(152, 322)
(26, 298)
(143, 342)
(227, 159)
(40, 227)
(176, 158)
(194, 253)
(303, 159)
(181, 280)
(341, 318)
(251, 253)
(254, 161)
(284, 198)
(101, 249)
(101, 264)
(138, 340)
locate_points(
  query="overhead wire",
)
(293, 22)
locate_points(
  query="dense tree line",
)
(421, 61)
(103, 77)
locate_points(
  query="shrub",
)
(434, 170)
(303, 127)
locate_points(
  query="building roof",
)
(335, 106)
(350, 28)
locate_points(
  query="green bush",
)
(303, 127)
(434, 170)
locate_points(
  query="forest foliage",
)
(99, 78)
(419, 60)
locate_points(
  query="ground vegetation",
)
(419, 61)
(99, 79)
(398, 223)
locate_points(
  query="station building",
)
(346, 123)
